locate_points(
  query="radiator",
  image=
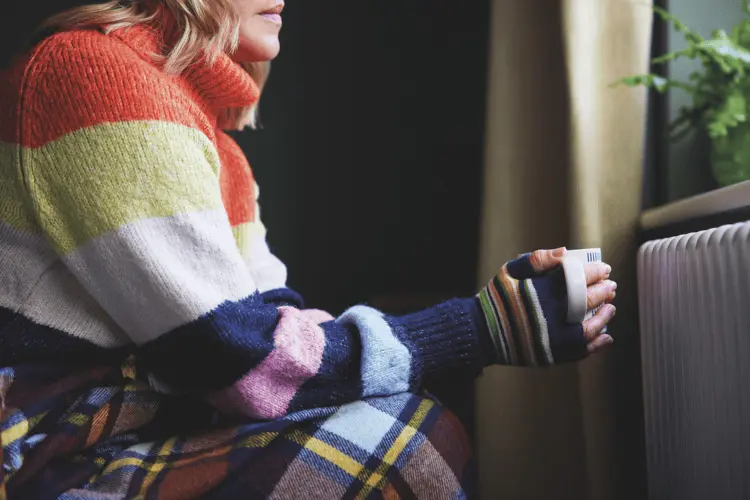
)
(694, 299)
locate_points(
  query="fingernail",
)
(612, 286)
(601, 341)
(559, 252)
(611, 310)
(612, 295)
(608, 268)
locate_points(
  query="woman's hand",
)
(525, 306)
(600, 292)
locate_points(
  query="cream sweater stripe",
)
(50, 295)
(156, 275)
(24, 257)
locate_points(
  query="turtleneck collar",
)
(221, 85)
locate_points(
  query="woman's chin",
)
(258, 51)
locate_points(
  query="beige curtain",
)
(563, 167)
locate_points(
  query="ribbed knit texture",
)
(526, 314)
(130, 223)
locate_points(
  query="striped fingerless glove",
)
(526, 314)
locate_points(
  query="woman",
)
(149, 345)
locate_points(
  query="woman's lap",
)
(108, 443)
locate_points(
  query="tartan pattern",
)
(100, 433)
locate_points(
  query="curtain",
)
(564, 160)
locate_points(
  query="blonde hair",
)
(206, 29)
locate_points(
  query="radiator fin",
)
(694, 298)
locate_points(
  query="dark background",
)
(370, 158)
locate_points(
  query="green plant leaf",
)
(731, 113)
(690, 35)
(689, 52)
(726, 48)
(716, 129)
(743, 34)
(653, 81)
(720, 35)
(719, 88)
(736, 106)
(657, 82)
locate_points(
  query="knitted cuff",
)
(445, 339)
(526, 317)
(283, 297)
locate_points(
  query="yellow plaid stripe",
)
(16, 432)
(259, 440)
(327, 452)
(377, 478)
(371, 479)
(20, 430)
(336, 457)
(256, 441)
(160, 463)
(155, 461)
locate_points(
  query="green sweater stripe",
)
(124, 172)
(13, 208)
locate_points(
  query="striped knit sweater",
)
(129, 223)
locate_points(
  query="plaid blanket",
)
(103, 433)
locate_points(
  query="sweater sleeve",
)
(134, 210)
(137, 217)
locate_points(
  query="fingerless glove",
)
(526, 317)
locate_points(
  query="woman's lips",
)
(274, 18)
(274, 14)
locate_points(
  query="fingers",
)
(600, 293)
(546, 260)
(593, 326)
(596, 272)
(599, 342)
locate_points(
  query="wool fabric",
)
(526, 315)
(149, 344)
(129, 223)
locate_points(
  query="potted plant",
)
(720, 94)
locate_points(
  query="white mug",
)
(575, 279)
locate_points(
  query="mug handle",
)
(575, 281)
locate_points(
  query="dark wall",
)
(20, 19)
(370, 157)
